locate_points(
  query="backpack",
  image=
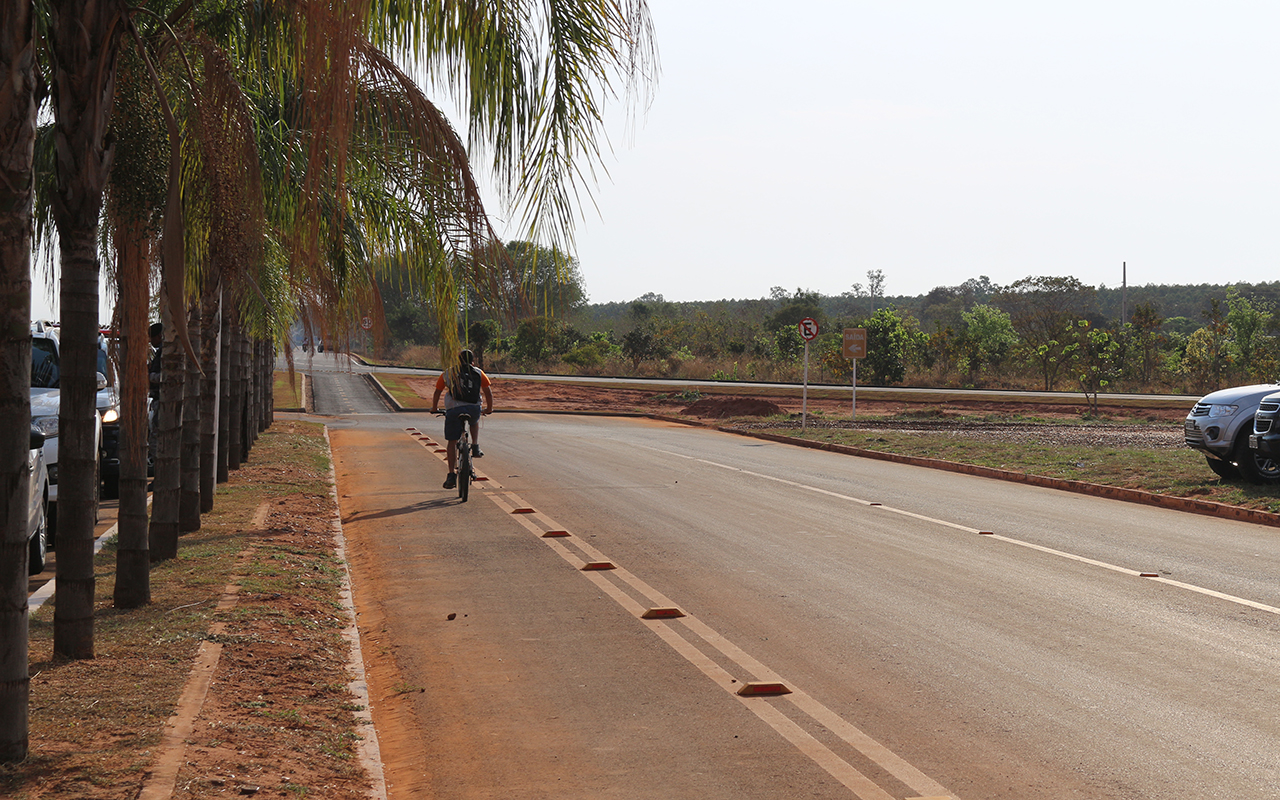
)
(466, 388)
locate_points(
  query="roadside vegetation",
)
(1039, 333)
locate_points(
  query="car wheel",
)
(1223, 469)
(39, 547)
(1254, 466)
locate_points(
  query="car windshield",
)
(44, 364)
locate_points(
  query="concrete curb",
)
(382, 392)
(368, 750)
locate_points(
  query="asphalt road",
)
(942, 635)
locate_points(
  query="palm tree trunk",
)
(235, 436)
(84, 36)
(168, 471)
(210, 304)
(189, 497)
(133, 561)
(224, 393)
(18, 131)
(269, 404)
(77, 445)
(256, 396)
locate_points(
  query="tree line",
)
(1040, 332)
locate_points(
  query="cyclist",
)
(464, 384)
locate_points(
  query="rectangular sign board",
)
(855, 342)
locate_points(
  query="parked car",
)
(37, 505)
(1219, 426)
(46, 400)
(1265, 439)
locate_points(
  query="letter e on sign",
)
(855, 342)
(808, 329)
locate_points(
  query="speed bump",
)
(594, 565)
(763, 689)
(662, 613)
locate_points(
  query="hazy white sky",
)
(804, 143)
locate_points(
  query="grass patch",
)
(287, 395)
(1178, 472)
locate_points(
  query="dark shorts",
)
(453, 419)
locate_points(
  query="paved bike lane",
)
(496, 670)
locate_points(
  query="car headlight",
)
(110, 415)
(46, 425)
(1219, 410)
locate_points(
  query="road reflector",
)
(554, 534)
(522, 511)
(1149, 575)
(479, 478)
(594, 565)
(662, 613)
(763, 689)
(874, 504)
(441, 450)
(986, 533)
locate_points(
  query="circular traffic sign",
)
(366, 323)
(808, 328)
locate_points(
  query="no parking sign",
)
(808, 329)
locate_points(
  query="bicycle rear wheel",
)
(464, 468)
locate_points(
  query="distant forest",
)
(1183, 307)
(1041, 332)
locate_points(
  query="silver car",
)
(1219, 426)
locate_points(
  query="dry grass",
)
(95, 724)
(1157, 462)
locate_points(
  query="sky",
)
(802, 144)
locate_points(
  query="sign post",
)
(808, 331)
(855, 347)
(366, 323)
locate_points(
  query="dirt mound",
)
(721, 407)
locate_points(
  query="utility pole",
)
(1124, 290)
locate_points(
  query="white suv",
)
(1219, 426)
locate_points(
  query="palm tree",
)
(364, 166)
(84, 41)
(17, 179)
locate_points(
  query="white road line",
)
(945, 523)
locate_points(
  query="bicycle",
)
(465, 473)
